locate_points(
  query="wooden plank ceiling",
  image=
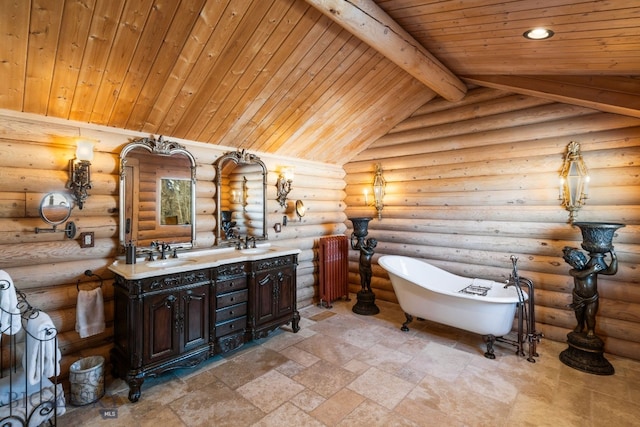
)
(281, 77)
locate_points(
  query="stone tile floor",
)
(343, 369)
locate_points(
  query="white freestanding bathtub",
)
(482, 306)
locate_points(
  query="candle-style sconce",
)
(574, 181)
(80, 172)
(379, 185)
(284, 185)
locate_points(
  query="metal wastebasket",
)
(86, 376)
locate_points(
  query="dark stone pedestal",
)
(366, 304)
(586, 354)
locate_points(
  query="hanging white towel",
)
(41, 358)
(10, 321)
(90, 313)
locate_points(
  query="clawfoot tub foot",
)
(404, 327)
(489, 339)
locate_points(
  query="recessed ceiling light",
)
(538, 34)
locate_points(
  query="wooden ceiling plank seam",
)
(44, 31)
(534, 65)
(15, 19)
(508, 40)
(356, 136)
(289, 57)
(125, 42)
(214, 84)
(104, 25)
(598, 98)
(326, 122)
(228, 70)
(372, 25)
(265, 82)
(254, 72)
(182, 26)
(576, 33)
(192, 55)
(321, 95)
(75, 27)
(524, 11)
(195, 83)
(155, 30)
(594, 45)
(328, 131)
(315, 68)
(298, 95)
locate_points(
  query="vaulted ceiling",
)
(294, 77)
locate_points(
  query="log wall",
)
(34, 155)
(473, 182)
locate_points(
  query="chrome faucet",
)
(246, 242)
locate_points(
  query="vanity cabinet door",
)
(273, 295)
(285, 297)
(265, 288)
(175, 322)
(161, 326)
(195, 308)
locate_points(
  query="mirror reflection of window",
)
(175, 201)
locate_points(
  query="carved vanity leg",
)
(295, 321)
(489, 339)
(409, 320)
(135, 383)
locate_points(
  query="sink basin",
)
(254, 251)
(173, 262)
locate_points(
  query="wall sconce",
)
(284, 185)
(574, 181)
(378, 190)
(80, 171)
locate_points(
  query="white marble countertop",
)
(196, 259)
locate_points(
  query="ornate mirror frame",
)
(156, 147)
(240, 157)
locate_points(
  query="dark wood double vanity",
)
(179, 312)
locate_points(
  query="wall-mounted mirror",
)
(241, 197)
(55, 209)
(157, 193)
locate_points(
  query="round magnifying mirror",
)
(300, 209)
(55, 208)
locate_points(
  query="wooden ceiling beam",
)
(367, 21)
(614, 94)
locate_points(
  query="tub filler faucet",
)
(526, 316)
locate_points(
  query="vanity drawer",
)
(161, 282)
(231, 312)
(231, 326)
(231, 298)
(230, 285)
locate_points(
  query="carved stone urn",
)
(366, 299)
(586, 349)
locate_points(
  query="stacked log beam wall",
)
(34, 155)
(471, 183)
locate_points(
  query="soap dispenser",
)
(130, 254)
